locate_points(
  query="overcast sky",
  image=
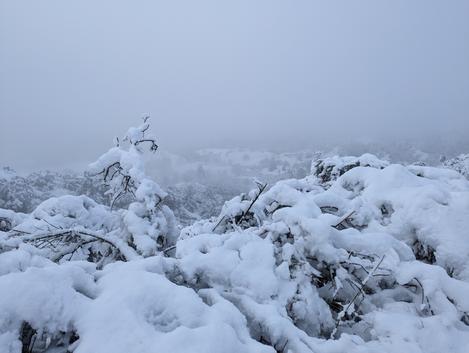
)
(73, 74)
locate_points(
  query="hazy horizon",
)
(265, 74)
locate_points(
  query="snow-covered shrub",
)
(241, 211)
(459, 164)
(24, 193)
(194, 201)
(330, 168)
(16, 193)
(374, 261)
(74, 228)
(77, 228)
(346, 260)
(150, 223)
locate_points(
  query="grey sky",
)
(211, 72)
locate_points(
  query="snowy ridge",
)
(375, 258)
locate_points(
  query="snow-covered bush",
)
(16, 194)
(150, 223)
(74, 228)
(352, 259)
(77, 228)
(375, 259)
(330, 168)
(194, 201)
(24, 193)
(459, 164)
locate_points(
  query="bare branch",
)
(261, 190)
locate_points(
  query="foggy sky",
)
(74, 74)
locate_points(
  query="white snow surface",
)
(375, 260)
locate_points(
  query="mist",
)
(259, 74)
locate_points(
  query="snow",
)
(362, 255)
(460, 164)
(140, 310)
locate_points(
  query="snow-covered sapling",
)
(151, 224)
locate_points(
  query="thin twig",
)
(42, 219)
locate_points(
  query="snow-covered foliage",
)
(24, 193)
(380, 248)
(329, 169)
(74, 228)
(151, 224)
(194, 201)
(365, 256)
(459, 164)
(77, 228)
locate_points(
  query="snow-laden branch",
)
(45, 239)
